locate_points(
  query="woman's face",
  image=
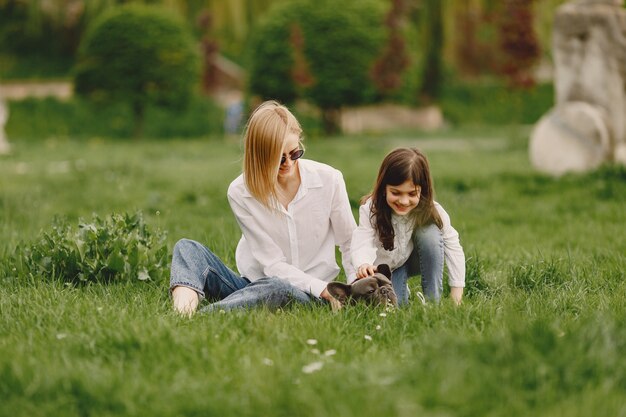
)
(289, 167)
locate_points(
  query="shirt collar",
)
(309, 175)
(309, 178)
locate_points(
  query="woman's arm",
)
(343, 224)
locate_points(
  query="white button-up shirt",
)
(296, 243)
(367, 248)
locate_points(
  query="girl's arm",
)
(453, 252)
(364, 241)
(456, 293)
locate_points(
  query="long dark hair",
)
(400, 165)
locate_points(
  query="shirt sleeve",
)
(269, 254)
(343, 225)
(364, 239)
(453, 252)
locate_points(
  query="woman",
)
(292, 212)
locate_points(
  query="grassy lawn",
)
(542, 330)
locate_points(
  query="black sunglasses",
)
(294, 156)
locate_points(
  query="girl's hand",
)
(365, 270)
(456, 293)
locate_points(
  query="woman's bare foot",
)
(185, 300)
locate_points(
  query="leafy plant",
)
(118, 248)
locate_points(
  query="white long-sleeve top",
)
(297, 243)
(367, 247)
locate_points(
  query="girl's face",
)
(289, 167)
(403, 198)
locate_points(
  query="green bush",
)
(138, 55)
(495, 103)
(33, 119)
(33, 44)
(318, 50)
(271, 58)
(118, 248)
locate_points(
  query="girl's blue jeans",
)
(426, 260)
(196, 267)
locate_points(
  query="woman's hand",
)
(456, 294)
(365, 270)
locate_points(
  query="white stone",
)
(5, 148)
(570, 138)
(587, 126)
(386, 117)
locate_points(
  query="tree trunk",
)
(431, 81)
(331, 121)
(139, 113)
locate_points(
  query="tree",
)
(140, 55)
(271, 58)
(390, 66)
(518, 42)
(318, 51)
(433, 65)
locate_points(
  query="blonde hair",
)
(264, 139)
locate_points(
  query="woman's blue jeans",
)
(426, 260)
(196, 267)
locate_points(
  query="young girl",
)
(402, 226)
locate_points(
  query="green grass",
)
(541, 332)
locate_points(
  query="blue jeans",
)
(426, 259)
(196, 267)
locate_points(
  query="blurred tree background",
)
(467, 56)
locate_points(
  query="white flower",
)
(330, 352)
(312, 367)
(268, 362)
(383, 314)
(368, 337)
(61, 336)
(311, 342)
(420, 296)
(315, 351)
(378, 327)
